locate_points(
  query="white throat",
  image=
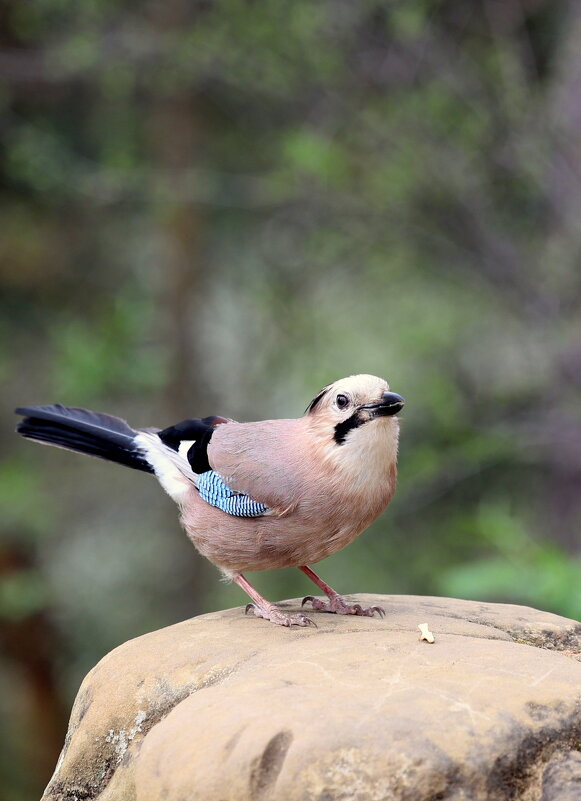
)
(368, 455)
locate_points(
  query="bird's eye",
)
(342, 401)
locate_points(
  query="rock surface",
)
(225, 707)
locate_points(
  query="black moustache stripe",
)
(342, 429)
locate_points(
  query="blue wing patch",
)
(213, 490)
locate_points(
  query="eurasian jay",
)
(262, 495)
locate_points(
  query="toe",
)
(320, 606)
(303, 620)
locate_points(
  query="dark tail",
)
(80, 430)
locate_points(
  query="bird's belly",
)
(300, 537)
(250, 544)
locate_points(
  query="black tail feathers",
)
(84, 431)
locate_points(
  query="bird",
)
(259, 495)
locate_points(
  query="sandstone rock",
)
(562, 778)
(226, 707)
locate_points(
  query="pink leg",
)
(335, 603)
(263, 608)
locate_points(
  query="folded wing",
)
(262, 460)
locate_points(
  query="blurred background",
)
(219, 207)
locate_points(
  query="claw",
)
(249, 607)
(310, 598)
(379, 609)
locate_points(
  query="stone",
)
(225, 707)
(562, 778)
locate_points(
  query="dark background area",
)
(221, 207)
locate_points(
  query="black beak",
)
(391, 403)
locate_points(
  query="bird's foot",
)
(340, 606)
(271, 612)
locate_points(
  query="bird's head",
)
(354, 430)
(354, 417)
(352, 403)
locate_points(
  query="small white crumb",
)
(425, 633)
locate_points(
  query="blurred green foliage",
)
(221, 207)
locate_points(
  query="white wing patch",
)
(172, 468)
(185, 445)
